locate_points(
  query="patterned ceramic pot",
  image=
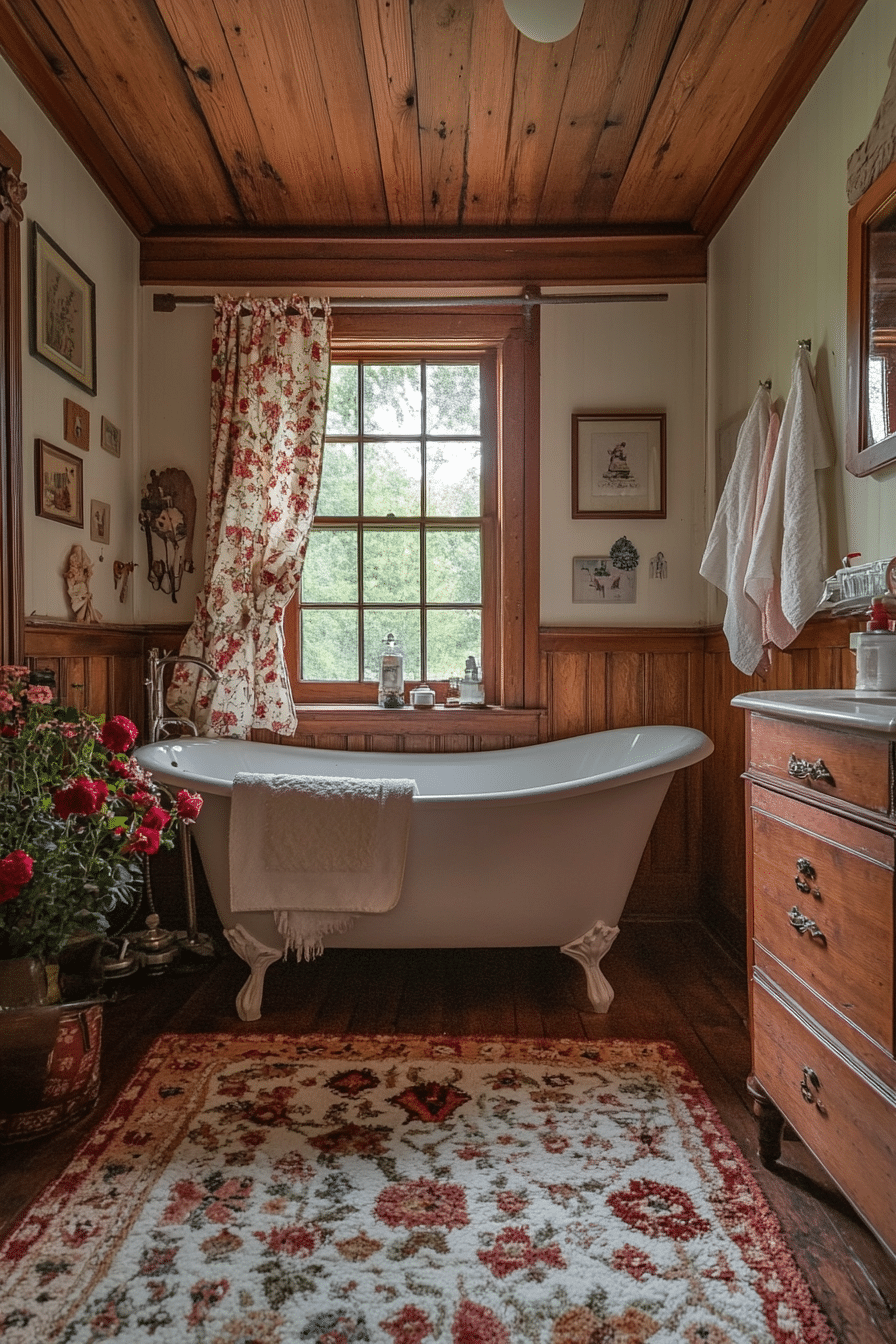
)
(50, 1065)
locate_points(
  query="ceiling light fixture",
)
(544, 20)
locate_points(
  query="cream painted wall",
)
(174, 381)
(65, 201)
(625, 357)
(777, 272)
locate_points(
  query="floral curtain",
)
(270, 372)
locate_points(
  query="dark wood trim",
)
(641, 639)
(861, 460)
(12, 540)
(439, 259)
(823, 32)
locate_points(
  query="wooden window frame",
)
(511, 645)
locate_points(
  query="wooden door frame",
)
(12, 545)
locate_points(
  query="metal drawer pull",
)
(803, 924)
(800, 769)
(802, 881)
(809, 1086)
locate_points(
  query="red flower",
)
(82, 798)
(155, 818)
(118, 734)
(143, 841)
(17, 868)
(189, 805)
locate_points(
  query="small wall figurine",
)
(121, 572)
(77, 574)
(168, 517)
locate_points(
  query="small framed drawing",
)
(59, 479)
(99, 521)
(596, 579)
(63, 313)
(110, 437)
(76, 425)
(619, 465)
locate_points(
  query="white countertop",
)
(870, 711)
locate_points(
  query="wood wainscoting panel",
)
(99, 668)
(595, 679)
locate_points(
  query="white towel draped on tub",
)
(317, 851)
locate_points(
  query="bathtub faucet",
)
(155, 692)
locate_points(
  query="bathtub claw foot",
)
(258, 957)
(588, 951)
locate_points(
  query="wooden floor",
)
(672, 982)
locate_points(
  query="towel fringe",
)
(303, 931)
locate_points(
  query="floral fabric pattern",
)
(281, 1189)
(270, 373)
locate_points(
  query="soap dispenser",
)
(391, 689)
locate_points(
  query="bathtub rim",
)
(689, 746)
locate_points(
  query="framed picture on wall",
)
(63, 312)
(76, 425)
(595, 578)
(59, 481)
(619, 464)
(99, 521)
(110, 437)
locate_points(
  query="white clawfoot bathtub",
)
(517, 848)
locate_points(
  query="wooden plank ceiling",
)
(226, 120)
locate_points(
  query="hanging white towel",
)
(317, 851)
(776, 632)
(788, 565)
(727, 551)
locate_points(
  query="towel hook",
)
(766, 383)
(805, 345)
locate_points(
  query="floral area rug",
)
(276, 1190)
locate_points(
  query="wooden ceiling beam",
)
(402, 260)
(823, 33)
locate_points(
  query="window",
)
(427, 520)
(404, 524)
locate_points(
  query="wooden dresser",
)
(821, 788)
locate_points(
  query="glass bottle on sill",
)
(472, 691)
(391, 688)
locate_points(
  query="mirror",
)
(871, 328)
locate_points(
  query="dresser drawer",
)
(837, 936)
(848, 1122)
(847, 766)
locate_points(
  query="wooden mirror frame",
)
(863, 458)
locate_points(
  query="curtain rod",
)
(166, 303)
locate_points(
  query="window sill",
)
(439, 720)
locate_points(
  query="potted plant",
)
(77, 816)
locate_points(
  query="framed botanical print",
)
(63, 312)
(619, 464)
